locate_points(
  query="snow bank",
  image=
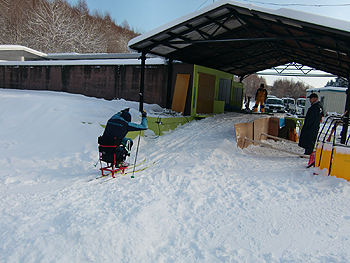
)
(204, 200)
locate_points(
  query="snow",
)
(23, 49)
(96, 62)
(204, 200)
(342, 150)
(328, 146)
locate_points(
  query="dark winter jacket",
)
(117, 127)
(311, 126)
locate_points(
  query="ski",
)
(139, 170)
(117, 172)
(129, 172)
(98, 177)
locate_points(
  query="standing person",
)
(311, 125)
(118, 126)
(260, 98)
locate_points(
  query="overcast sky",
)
(145, 15)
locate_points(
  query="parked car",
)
(300, 106)
(289, 104)
(274, 105)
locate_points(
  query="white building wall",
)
(333, 99)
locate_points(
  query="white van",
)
(332, 98)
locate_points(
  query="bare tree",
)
(90, 36)
(50, 28)
(289, 88)
(13, 20)
(280, 88)
(252, 83)
(4, 7)
(53, 26)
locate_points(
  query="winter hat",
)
(126, 115)
(312, 95)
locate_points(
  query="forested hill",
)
(55, 26)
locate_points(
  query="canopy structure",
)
(242, 39)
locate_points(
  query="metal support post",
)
(346, 117)
(168, 93)
(142, 81)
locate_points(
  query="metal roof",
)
(243, 39)
(91, 56)
(19, 53)
(13, 53)
(85, 62)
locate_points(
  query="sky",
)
(144, 16)
(147, 15)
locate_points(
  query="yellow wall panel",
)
(319, 148)
(180, 92)
(341, 162)
(326, 156)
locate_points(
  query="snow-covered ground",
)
(204, 200)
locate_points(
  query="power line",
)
(201, 5)
(315, 5)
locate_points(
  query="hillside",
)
(59, 27)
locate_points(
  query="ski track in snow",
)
(205, 200)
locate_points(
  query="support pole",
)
(346, 117)
(142, 81)
(168, 93)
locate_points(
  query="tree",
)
(289, 88)
(82, 7)
(338, 82)
(54, 26)
(12, 21)
(252, 83)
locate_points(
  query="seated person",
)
(118, 126)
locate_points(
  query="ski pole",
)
(137, 150)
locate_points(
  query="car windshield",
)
(291, 101)
(301, 102)
(274, 101)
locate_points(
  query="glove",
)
(144, 114)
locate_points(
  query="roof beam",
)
(257, 39)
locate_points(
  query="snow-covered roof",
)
(283, 12)
(19, 53)
(335, 89)
(79, 56)
(242, 38)
(96, 62)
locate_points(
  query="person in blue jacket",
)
(119, 125)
